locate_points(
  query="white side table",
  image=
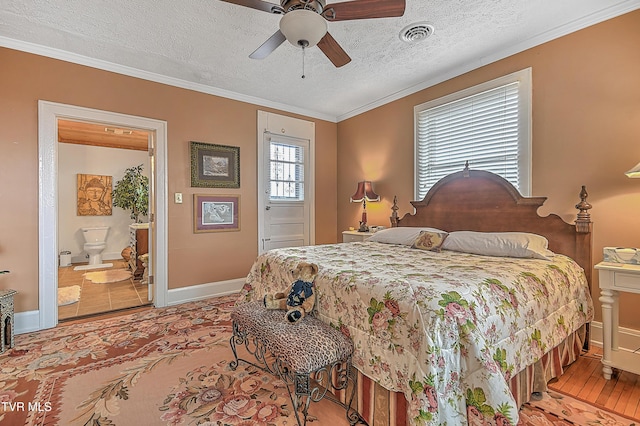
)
(616, 278)
(355, 236)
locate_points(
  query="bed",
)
(459, 311)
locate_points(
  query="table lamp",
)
(364, 193)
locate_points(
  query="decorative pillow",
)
(508, 244)
(430, 240)
(404, 235)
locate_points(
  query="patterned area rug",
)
(170, 366)
(108, 276)
(68, 295)
(556, 409)
(162, 366)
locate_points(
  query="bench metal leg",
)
(313, 387)
(307, 387)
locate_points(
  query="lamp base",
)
(363, 227)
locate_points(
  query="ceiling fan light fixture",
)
(303, 28)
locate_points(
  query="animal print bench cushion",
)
(305, 346)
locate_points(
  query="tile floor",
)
(100, 298)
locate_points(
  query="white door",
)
(285, 186)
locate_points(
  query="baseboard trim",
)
(204, 291)
(27, 322)
(628, 338)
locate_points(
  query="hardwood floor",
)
(100, 298)
(583, 380)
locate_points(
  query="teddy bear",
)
(301, 298)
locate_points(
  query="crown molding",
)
(74, 58)
(579, 24)
(576, 25)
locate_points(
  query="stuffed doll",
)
(301, 298)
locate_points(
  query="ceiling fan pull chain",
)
(302, 61)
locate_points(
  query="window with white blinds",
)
(487, 125)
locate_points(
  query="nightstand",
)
(355, 236)
(616, 278)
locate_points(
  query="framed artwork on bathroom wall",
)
(94, 195)
(214, 166)
(214, 213)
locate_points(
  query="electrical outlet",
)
(178, 197)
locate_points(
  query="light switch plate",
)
(178, 197)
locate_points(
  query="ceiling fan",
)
(304, 22)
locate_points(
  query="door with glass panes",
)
(286, 208)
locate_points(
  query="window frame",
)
(523, 77)
(298, 165)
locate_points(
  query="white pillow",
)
(405, 235)
(508, 244)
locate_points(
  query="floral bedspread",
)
(447, 329)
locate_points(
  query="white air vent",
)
(416, 32)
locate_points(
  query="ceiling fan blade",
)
(333, 51)
(255, 4)
(268, 46)
(364, 9)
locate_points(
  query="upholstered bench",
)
(309, 354)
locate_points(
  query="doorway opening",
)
(49, 115)
(93, 160)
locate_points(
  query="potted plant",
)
(132, 193)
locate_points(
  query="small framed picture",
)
(213, 213)
(215, 166)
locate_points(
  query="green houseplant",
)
(132, 193)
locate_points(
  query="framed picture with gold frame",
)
(214, 213)
(215, 166)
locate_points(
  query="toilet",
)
(95, 242)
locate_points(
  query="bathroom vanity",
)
(139, 242)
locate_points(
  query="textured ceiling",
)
(205, 45)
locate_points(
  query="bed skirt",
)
(381, 407)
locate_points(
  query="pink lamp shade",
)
(364, 193)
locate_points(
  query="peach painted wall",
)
(586, 131)
(193, 258)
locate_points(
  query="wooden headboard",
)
(476, 200)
